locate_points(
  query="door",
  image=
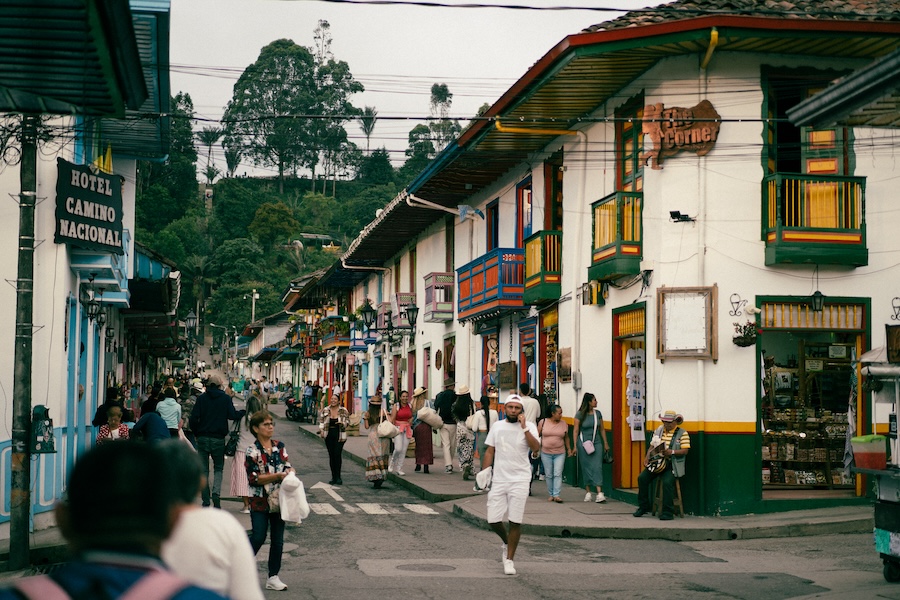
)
(629, 397)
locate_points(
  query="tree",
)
(443, 128)
(232, 158)
(376, 169)
(208, 136)
(367, 123)
(273, 223)
(268, 109)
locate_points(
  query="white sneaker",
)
(587, 497)
(508, 567)
(504, 552)
(274, 583)
(600, 498)
(400, 473)
(541, 478)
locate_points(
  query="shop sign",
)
(677, 129)
(88, 208)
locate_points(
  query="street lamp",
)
(253, 298)
(190, 321)
(412, 314)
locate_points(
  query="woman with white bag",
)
(379, 447)
(589, 436)
(422, 431)
(267, 466)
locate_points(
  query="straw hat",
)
(462, 390)
(671, 415)
(418, 391)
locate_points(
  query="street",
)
(357, 540)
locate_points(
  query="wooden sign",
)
(506, 378)
(673, 130)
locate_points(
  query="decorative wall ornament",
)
(673, 130)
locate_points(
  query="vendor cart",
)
(882, 379)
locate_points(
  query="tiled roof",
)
(818, 10)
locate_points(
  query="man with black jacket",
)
(443, 404)
(209, 422)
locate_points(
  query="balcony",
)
(543, 258)
(618, 230)
(491, 284)
(358, 337)
(816, 219)
(439, 288)
(335, 333)
(399, 302)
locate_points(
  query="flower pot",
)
(743, 341)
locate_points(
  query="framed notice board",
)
(686, 323)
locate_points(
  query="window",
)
(629, 146)
(523, 212)
(493, 225)
(553, 192)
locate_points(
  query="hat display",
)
(514, 398)
(418, 391)
(462, 390)
(671, 415)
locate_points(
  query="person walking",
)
(240, 486)
(443, 404)
(267, 465)
(402, 417)
(378, 448)
(422, 432)
(170, 411)
(589, 434)
(209, 422)
(554, 433)
(508, 446)
(209, 548)
(333, 422)
(114, 428)
(464, 408)
(485, 417)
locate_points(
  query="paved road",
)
(389, 543)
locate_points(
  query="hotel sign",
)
(88, 208)
(674, 130)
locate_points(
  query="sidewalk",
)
(612, 519)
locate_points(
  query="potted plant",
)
(744, 334)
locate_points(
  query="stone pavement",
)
(612, 519)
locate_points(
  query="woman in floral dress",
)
(379, 448)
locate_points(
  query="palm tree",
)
(208, 137)
(367, 123)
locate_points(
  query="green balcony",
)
(814, 219)
(543, 264)
(617, 246)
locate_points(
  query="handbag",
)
(429, 416)
(234, 438)
(386, 429)
(608, 457)
(589, 445)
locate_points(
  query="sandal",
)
(558, 499)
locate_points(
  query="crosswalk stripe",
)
(323, 509)
(350, 508)
(420, 509)
(372, 509)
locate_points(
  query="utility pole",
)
(253, 298)
(20, 480)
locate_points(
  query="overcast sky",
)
(396, 51)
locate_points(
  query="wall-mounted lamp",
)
(91, 306)
(895, 304)
(817, 300)
(736, 305)
(412, 313)
(677, 217)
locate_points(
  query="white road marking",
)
(349, 508)
(372, 509)
(420, 509)
(323, 509)
(328, 490)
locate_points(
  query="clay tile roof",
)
(832, 10)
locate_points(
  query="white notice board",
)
(686, 323)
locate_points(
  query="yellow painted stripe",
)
(770, 237)
(821, 237)
(598, 256)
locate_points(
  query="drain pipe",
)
(576, 307)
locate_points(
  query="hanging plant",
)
(744, 334)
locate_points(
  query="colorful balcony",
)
(815, 219)
(491, 284)
(617, 246)
(399, 302)
(358, 337)
(439, 288)
(335, 333)
(543, 268)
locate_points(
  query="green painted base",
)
(816, 254)
(614, 267)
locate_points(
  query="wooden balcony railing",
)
(543, 267)
(817, 219)
(492, 283)
(439, 288)
(618, 231)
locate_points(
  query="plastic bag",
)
(292, 499)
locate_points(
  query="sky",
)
(396, 51)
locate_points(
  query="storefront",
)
(808, 394)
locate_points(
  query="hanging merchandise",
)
(636, 393)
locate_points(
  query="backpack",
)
(155, 585)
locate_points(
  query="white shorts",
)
(507, 499)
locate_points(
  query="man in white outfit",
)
(508, 445)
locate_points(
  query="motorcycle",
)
(294, 410)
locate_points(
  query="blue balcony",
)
(492, 284)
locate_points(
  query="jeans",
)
(480, 443)
(212, 447)
(401, 443)
(553, 469)
(645, 481)
(335, 447)
(259, 523)
(448, 443)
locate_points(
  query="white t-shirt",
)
(210, 548)
(532, 409)
(511, 463)
(479, 423)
